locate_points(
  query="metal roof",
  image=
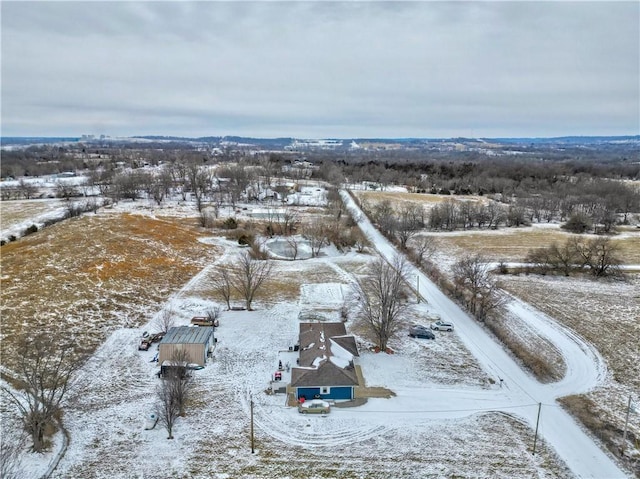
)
(188, 335)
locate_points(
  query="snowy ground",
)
(449, 418)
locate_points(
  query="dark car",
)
(421, 332)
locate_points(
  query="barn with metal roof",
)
(197, 341)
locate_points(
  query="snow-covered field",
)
(449, 416)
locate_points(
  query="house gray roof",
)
(188, 335)
(317, 369)
(314, 341)
(327, 374)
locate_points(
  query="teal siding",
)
(335, 392)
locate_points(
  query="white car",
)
(442, 326)
(315, 406)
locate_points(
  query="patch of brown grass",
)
(539, 357)
(513, 244)
(87, 276)
(589, 413)
(420, 198)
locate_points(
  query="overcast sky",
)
(321, 69)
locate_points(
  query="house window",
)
(325, 390)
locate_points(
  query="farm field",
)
(85, 277)
(503, 244)
(137, 261)
(19, 211)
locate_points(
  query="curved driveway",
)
(521, 392)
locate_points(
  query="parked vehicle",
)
(442, 326)
(421, 332)
(156, 338)
(204, 321)
(315, 406)
(144, 345)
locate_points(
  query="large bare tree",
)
(424, 248)
(45, 368)
(474, 282)
(410, 219)
(380, 295)
(317, 234)
(174, 391)
(222, 286)
(248, 275)
(167, 406)
(165, 320)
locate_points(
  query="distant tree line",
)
(542, 184)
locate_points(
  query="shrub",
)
(242, 236)
(230, 224)
(502, 268)
(245, 239)
(30, 230)
(578, 223)
(12, 238)
(3, 242)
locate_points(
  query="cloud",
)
(320, 68)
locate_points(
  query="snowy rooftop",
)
(187, 335)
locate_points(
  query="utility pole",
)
(252, 443)
(626, 425)
(535, 438)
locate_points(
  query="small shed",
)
(196, 341)
(326, 369)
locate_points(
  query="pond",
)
(286, 249)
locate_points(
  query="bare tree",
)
(45, 369)
(316, 233)
(201, 183)
(165, 320)
(359, 239)
(167, 406)
(65, 190)
(410, 220)
(600, 255)
(159, 186)
(222, 287)
(425, 248)
(289, 220)
(293, 244)
(248, 275)
(380, 295)
(10, 463)
(27, 190)
(174, 391)
(179, 375)
(384, 216)
(213, 315)
(557, 257)
(180, 177)
(473, 280)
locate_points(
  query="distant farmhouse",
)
(325, 367)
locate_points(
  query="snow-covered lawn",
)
(419, 432)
